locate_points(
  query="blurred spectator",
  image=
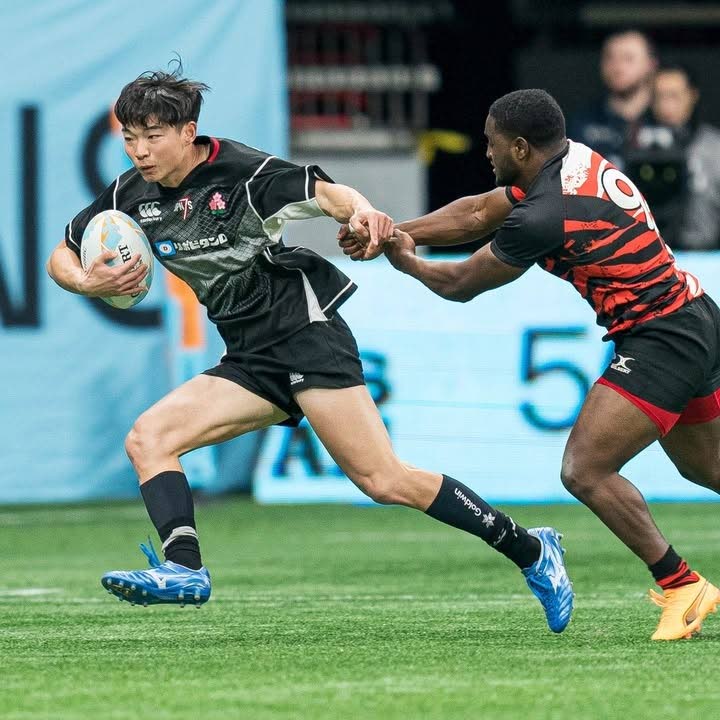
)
(627, 67)
(677, 164)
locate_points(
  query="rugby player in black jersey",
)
(568, 209)
(213, 211)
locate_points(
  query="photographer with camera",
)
(676, 163)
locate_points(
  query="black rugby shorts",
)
(669, 367)
(320, 355)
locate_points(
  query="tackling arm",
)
(461, 221)
(458, 281)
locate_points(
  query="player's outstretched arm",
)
(458, 281)
(100, 279)
(463, 220)
(347, 205)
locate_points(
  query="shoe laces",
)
(150, 553)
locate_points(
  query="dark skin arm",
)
(460, 221)
(458, 281)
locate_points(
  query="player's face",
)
(626, 63)
(499, 153)
(159, 152)
(674, 99)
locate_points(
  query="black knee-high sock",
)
(169, 503)
(457, 505)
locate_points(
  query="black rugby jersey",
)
(220, 232)
(584, 221)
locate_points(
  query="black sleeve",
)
(533, 230)
(278, 184)
(107, 200)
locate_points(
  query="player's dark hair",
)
(530, 114)
(165, 97)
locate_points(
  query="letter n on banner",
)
(187, 352)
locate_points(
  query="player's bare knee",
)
(133, 445)
(144, 441)
(382, 487)
(574, 476)
(381, 491)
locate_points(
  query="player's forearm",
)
(443, 278)
(65, 269)
(463, 220)
(340, 201)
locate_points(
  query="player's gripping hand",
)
(399, 248)
(357, 246)
(103, 280)
(372, 227)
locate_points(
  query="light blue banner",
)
(484, 391)
(74, 378)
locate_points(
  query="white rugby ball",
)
(114, 230)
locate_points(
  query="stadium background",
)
(389, 97)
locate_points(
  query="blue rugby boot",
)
(165, 582)
(548, 579)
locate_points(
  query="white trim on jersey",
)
(70, 237)
(314, 312)
(344, 290)
(307, 182)
(247, 186)
(117, 185)
(302, 210)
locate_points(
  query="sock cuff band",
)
(183, 530)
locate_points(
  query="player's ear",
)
(521, 148)
(188, 132)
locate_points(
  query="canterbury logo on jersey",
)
(167, 248)
(149, 212)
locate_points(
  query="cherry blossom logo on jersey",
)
(184, 205)
(217, 204)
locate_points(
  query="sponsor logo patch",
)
(620, 364)
(168, 248)
(165, 248)
(185, 206)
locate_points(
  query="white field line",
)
(27, 592)
(76, 516)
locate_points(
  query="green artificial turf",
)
(342, 612)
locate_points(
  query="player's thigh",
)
(695, 451)
(349, 425)
(204, 411)
(609, 431)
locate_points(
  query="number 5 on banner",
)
(531, 371)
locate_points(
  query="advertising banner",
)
(76, 372)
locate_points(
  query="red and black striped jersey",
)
(584, 221)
